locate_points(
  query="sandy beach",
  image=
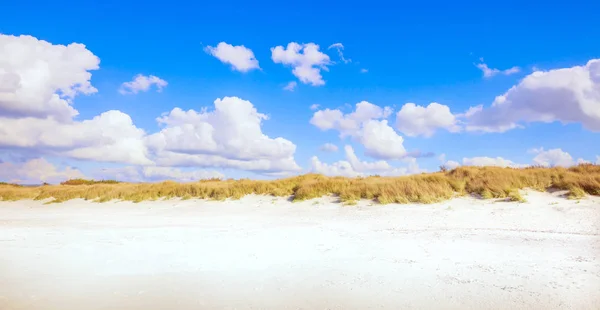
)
(269, 253)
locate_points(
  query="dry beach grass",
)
(486, 182)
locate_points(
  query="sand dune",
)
(268, 253)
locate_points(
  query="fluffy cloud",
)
(155, 174)
(546, 158)
(291, 86)
(451, 164)
(597, 160)
(552, 158)
(228, 137)
(239, 57)
(339, 168)
(363, 166)
(481, 161)
(568, 95)
(363, 70)
(353, 167)
(328, 147)
(339, 47)
(414, 120)
(36, 171)
(305, 59)
(366, 125)
(490, 72)
(142, 83)
(314, 106)
(109, 137)
(39, 79)
(490, 161)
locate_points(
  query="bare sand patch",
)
(268, 253)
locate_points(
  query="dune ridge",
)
(485, 182)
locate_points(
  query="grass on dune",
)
(487, 182)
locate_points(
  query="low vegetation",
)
(486, 182)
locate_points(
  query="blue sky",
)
(413, 53)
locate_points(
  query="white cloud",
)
(110, 137)
(142, 83)
(239, 57)
(155, 174)
(490, 161)
(583, 161)
(552, 158)
(363, 70)
(39, 79)
(381, 141)
(490, 72)
(353, 167)
(451, 164)
(414, 120)
(363, 166)
(305, 59)
(366, 125)
(546, 158)
(479, 161)
(230, 136)
(291, 86)
(36, 113)
(314, 106)
(598, 160)
(328, 147)
(339, 168)
(569, 95)
(36, 171)
(340, 49)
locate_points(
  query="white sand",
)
(267, 253)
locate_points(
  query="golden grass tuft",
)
(87, 182)
(488, 182)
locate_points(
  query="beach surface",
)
(269, 253)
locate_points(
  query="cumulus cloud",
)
(291, 86)
(314, 106)
(339, 47)
(490, 161)
(39, 79)
(239, 57)
(448, 164)
(36, 112)
(481, 161)
(305, 59)
(328, 147)
(545, 158)
(155, 174)
(598, 160)
(366, 125)
(108, 137)
(339, 168)
(353, 167)
(228, 137)
(552, 158)
(414, 120)
(568, 95)
(363, 70)
(490, 72)
(451, 164)
(36, 171)
(142, 83)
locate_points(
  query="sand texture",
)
(268, 253)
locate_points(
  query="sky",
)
(231, 89)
